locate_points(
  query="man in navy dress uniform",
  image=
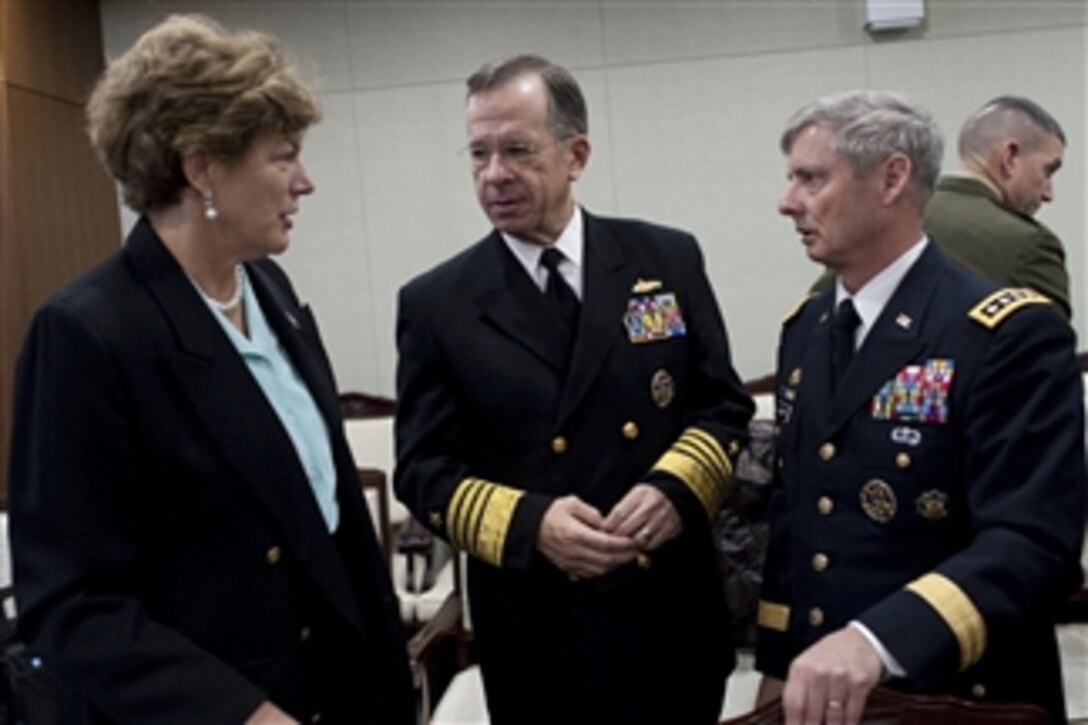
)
(929, 509)
(569, 416)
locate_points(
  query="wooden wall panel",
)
(3, 40)
(7, 281)
(64, 219)
(58, 208)
(53, 47)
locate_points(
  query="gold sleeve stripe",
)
(710, 468)
(716, 477)
(461, 518)
(453, 517)
(478, 517)
(457, 516)
(699, 461)
(700, 476)
(958, 612)
(687, 471)
(712, 448)
(773, 616)
(496, 522)
(993, 310)
(470, 523)
(714, 460)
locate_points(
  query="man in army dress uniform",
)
(568, 415)
(984, 215)
(928, 516)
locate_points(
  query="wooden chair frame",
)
(889, 707)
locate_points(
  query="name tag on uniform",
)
(917, 393)
(654, 317)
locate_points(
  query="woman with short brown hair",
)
(190, 542)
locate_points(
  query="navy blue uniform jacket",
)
(937, 494)
(171, 564)
(492, 427)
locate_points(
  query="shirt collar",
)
(570, 243)
(871, 299)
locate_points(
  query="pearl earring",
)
(210, 212)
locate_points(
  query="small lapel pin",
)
(291, 318)
(904, 321)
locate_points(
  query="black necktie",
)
(557, 290)
(842, 337)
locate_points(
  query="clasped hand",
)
(584, 543)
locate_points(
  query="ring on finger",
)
(834, 704)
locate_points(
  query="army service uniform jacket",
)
(170, 561)
(937, 494)
(975, 228)
(494, 424)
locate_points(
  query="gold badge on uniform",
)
(932, 505)
(662, 388)
(878, 501)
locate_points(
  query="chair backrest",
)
(888, 707)
(365, 405)
(371, 442)
(764, 406)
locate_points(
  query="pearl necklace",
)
(235, 299)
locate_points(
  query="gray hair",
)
(869, 126)
(1004, 117)
(566, 104)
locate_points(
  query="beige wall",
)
(686, 104)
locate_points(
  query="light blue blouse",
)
(290, 398)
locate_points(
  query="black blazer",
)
(170, 561)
